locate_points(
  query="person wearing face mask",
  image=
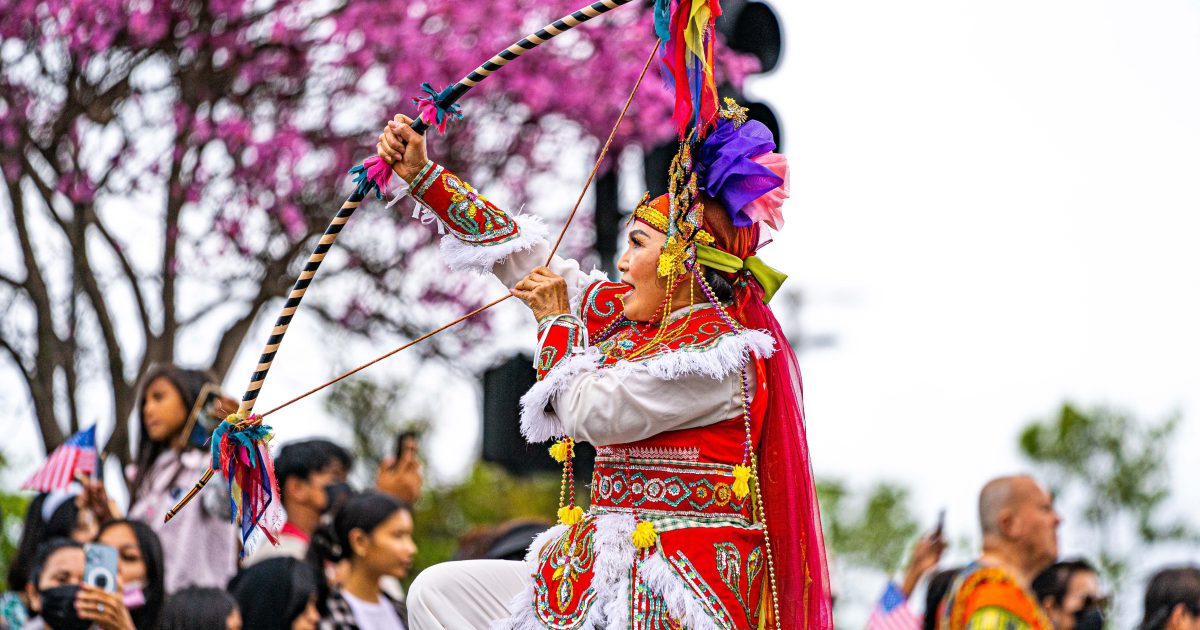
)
(60, 598)
(312, 479)
(200, 545)
(1069, 592)
(139, 569)
(50, 515)
(1173, 600)
(373, 532)
(277, 594)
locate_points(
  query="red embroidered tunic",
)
(668, 412)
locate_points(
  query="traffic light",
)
(748, 26)
(751, 26)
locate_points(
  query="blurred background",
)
(990, 242)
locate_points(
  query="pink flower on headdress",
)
(769, 207)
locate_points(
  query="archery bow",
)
(371, 176)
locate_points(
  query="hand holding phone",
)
(100, 567)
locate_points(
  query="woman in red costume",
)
(703, 513)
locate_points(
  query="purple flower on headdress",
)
(727, 170)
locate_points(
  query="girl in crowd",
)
(277, 594)
(373, 531)
(139, 569)
(200, 608)
(60, 598)
(200, 544)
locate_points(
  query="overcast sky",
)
(995, 209)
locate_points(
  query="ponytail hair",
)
(366, 512)
(330, 543)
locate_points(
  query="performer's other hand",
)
(402, 147)
(545, 292)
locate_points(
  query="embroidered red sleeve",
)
(558, 338)
(466, 213)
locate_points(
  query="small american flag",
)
(77, 454)
(892, 612)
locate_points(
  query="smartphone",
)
(941, 524)
(204, 416)
(100, 566)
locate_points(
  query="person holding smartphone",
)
(893, 610)
(63, 600)
(402, 475)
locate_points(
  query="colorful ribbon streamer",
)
(242, 454)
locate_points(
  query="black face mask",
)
(1090, 618)
(336, 495)
(58, 609)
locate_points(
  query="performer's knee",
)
(432, 582)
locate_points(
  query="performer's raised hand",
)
(545, 292)
(402, 147)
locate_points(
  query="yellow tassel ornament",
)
(644, 535)
(561, 450)
(741, 481)
(570, 515)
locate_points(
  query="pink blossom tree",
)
(168, 164)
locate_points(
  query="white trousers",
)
(465, 595)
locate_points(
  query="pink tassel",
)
(379, 172)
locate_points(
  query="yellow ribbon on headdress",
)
(769, 277)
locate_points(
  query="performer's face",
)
(639, 269)
(163, 410)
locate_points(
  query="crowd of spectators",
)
(343, 553)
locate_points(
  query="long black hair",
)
(196, 608)
(935, 594)
(189, 384)
(274, 592)
(331, 543)
(1167, 589)
(147, 616)
(365, 511)
(38, 530)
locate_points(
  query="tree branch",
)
(127, 269)
(42, 373)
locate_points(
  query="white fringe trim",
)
(538, 425)
(729, 355)
(681, 601)
(480, 259)
(615, 554)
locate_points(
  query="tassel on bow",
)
(430, 107)
(239, 450)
